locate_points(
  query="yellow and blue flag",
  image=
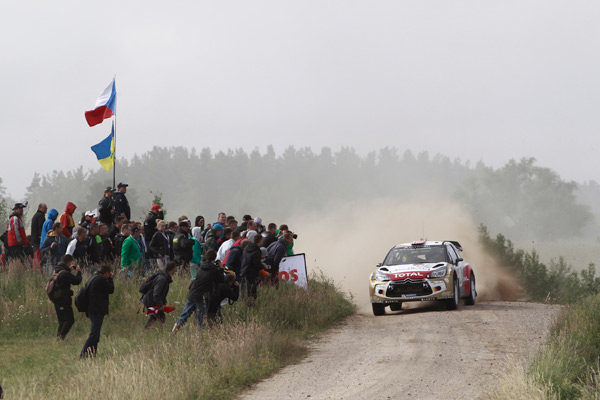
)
(105, 151)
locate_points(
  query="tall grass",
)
(215, 363)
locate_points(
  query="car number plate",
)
(410, 295)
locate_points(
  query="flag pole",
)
(114, 152)
(115, 139)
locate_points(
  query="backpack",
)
(82, 298)
(147, 284)
(53, 290)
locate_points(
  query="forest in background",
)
(520, 199)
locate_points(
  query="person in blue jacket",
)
(47, 227)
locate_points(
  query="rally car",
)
(420, 271)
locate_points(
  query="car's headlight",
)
(438, 273)
(380, 276)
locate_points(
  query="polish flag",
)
(106, 106)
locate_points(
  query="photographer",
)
(276, 251)
(63, 305)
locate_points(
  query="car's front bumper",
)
(410, 290)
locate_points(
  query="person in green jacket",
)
(131, 256)
(197, 252)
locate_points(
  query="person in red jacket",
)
(17, 239)
(66, 220)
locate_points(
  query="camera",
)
(294, 236)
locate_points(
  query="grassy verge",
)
(568, 366)
(136, 364)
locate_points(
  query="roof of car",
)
(418, 243)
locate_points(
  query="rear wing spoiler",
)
(455, 243)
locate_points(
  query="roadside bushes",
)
(556, 282)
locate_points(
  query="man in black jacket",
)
(202, 289)
(233, 260)
(276, 252)
(106, 207)
(183, 246)
(121, 203)
(37, 222)
(150, 222)
(64, 304)
(156, 296)
(270, 235)
(230, 289)
(251, 267)
(101, 285)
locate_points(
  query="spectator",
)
(94, 244)
(252, 230)
(86, 219)
(232, 224)
(259, 226)
(150, 223)
(106, 244)
(171, 232)
(121, 202)
(131, 255)
(221, 219)
(228, 241)
(145, 252)
(66, 220)
(37, 223)
(196, 252)
(276, 252)
(270, 235)
(244, 226)
(251, 267)
(47, 227)
(64, 304)
(199, 227)
(120, 238)
(160, 245)
(17, 239)
(77, 247)
(233, 260)
(100, 287)
(201, 291)
(106, 207)
(230, 289)
(55, 245)
(211, 242)
(157, 295)
(183, 247)
(115, 229)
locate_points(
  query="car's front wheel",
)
(452, 304)
(473, 292)
(378, 308)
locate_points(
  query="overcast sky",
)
(479, 80)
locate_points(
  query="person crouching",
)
(156, 296)
(202, 290)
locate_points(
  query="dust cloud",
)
(347, 240)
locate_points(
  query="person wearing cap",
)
(121, 203)
(211, 242)
(244, 226)
(86, 219)
(106, 207)
(155, 214)
(17, 239)
(131, 256)
(183, 246)
(259, 226)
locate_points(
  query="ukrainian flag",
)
(105, 151)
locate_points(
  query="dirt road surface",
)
(418, 353)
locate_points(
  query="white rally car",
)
(419, 271)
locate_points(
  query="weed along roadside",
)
(133, 363)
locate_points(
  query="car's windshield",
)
(415, 255)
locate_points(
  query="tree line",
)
(520, 199)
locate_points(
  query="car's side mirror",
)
(378, 265)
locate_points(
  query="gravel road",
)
(418, 353)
